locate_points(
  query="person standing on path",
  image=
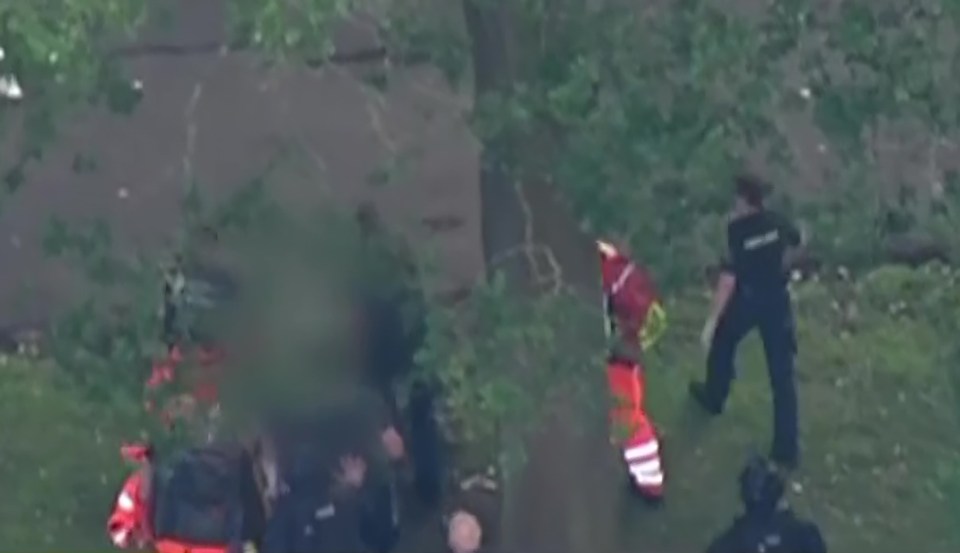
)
(752, 293)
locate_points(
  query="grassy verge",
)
(60, 467)
(878, 421)
(881, 463)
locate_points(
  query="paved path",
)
(221, 120)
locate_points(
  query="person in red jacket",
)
(129, 523)
(634, 321)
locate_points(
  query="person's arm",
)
(723, 291)
(726, 283)
(724, 287)
(794, 240)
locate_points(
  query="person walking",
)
(752, 293)
(634, 321)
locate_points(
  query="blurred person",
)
(752, 293)
(767, 524)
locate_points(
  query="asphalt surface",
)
(221, 120)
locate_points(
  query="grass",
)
(881, 461)
(60, 467)
(881, 464)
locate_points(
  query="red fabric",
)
(631, 302)
(171, 546)
(203, 386)
(206, 389)
(625, 382)
(161, 373)
(638, 439)
(138, 453)
(129, 523)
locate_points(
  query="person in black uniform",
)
(767, 526)
(752, 293)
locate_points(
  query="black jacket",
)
(778, 532)
(312, 521)
(317, 515)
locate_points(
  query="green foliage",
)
(286, 30)
(647, 112)
(427, 31)
(502, 357)
(107, 340)
(56, 49)
(58, 53)
(638, 114)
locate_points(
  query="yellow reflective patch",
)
(654, 327)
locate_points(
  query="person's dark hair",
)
(761, 487)
(752, 189)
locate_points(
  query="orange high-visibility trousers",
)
(633, 429)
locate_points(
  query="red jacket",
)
(631, 302)
(129, 523)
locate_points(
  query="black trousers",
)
(773, 316)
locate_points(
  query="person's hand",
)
(706, 336)
(353, 469)
(464, 533)
(393, 443)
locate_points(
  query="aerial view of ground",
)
(881, 465)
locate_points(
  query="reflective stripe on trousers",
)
(641, 449)
(643, 462)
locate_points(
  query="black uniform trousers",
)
(771, 313)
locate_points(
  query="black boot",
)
(698, 391)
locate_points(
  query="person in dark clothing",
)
(365, 442)
(310, 513)
(205, 498)
(766, 525)
(316, 513)
(752, 293)
(337, 489)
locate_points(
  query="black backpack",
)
(199, 496)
